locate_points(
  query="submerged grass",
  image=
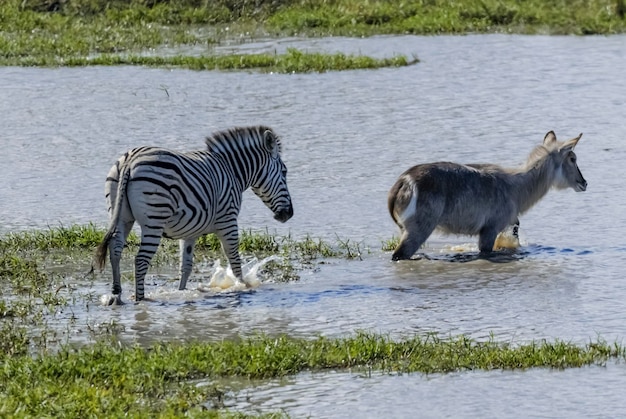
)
(110, 380)
(38, 268)
(32, 262)
(87, 237)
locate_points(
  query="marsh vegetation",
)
(106, 377)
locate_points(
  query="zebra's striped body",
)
(186, 195)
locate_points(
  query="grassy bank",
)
(106, 380)
(109, 32)
(350, 17)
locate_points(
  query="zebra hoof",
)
(115, 300)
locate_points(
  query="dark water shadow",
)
(495, 257)
(504, 256)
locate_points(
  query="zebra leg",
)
(230, 243)
(115, 255)
(186, 260)
(150, 240)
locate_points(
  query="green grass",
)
(109, 380)
(390, 244)
(293, 61)
(354, 17)
(77, 238)
(57, 238)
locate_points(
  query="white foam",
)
(224, 280)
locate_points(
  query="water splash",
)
(223, 279)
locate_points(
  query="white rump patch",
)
(410, 209)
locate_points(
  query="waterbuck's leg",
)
(150, 239)
(186, 260)
(486, 239)
(116, 246)
(229, 237)
(416, 231)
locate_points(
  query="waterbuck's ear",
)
(569, 145)
(549, 139)
(271, 142)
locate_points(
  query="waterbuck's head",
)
(271, 182)
(568, 174)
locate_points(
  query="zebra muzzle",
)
(284, 214)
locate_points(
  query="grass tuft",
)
(391, 244)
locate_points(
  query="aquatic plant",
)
(390, 244)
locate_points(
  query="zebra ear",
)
(271, 143)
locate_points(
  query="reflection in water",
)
(347, 136)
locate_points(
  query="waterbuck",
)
(477, 199)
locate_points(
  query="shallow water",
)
(347, 137)
(595, 394)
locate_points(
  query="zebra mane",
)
(240, 137)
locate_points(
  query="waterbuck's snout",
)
(284, 214)
(581, 185)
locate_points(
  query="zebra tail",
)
(103, 247)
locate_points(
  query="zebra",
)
(187, 195)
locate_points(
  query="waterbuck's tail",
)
(399, 196)
(103, 247)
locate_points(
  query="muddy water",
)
(347, 137)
